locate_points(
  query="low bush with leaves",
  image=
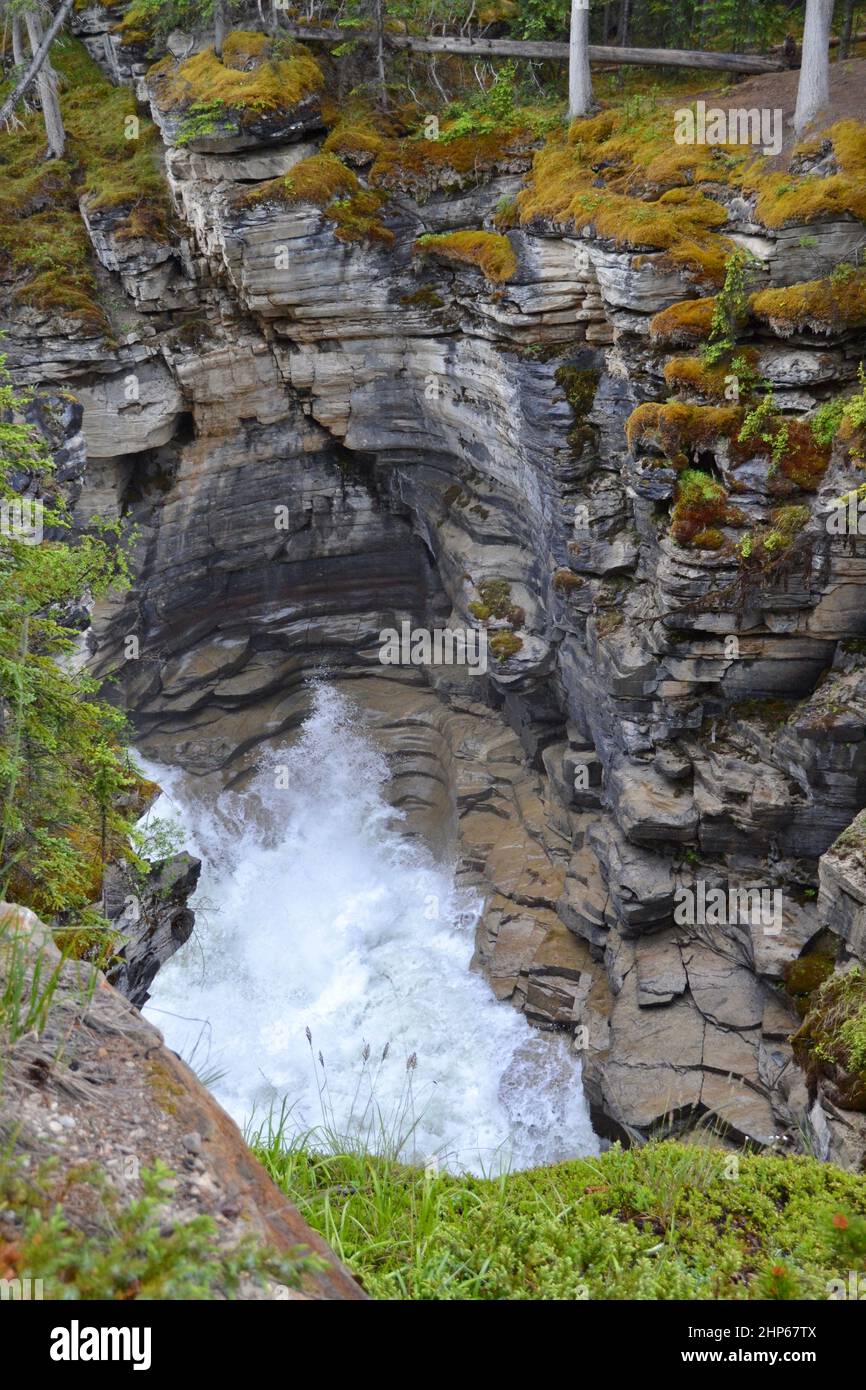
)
(130, 1250)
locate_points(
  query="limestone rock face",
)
(347, 433)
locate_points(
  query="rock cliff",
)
(321, 423)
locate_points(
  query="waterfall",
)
(329, 970)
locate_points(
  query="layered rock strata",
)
(329, 436)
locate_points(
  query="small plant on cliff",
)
(730, 309)
(832, 1040)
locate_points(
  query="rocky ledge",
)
(95, 1101)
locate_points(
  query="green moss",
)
(425, 298)
(713, 382)
(496, 595)
(491, 252)
(682, 431)
(659, 1222)
(609, 621)
(327, 183)
(579, 388)
(852, 841)
(683, 324)
(565, 581)
(768, 544)
(701, 505)
(784, 198)
(832, 1039)
(421, 166)
(806, 974)
(358, 137)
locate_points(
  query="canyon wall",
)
(326, 436)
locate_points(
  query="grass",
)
(669, 1221)
(27, 986)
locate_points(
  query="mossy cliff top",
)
(256, 77)
(621, 176)
(45, 253)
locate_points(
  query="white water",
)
(320, 916)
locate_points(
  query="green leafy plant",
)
(730, 309)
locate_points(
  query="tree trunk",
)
(46, 83)
(17, 42)
(579, 77)
(35, 65)
(219, 26)
(378, 16)
(847, 26)
(813, 91)
(624, 13)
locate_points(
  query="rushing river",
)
(329, 971)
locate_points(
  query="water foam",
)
(320, 916)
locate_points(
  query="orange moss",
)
(682, 431)
(692, 375)
(316, 180)
(683, 324)
(422, 165)
(788, 198)
(491, 252)
(822, 306)
(679, 222)
(805, 461)
(326, 183)
(253, 77)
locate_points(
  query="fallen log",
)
(539, 48)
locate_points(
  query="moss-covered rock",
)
(833, 306)
(490, 252)
(262, 90)
(46, 254)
